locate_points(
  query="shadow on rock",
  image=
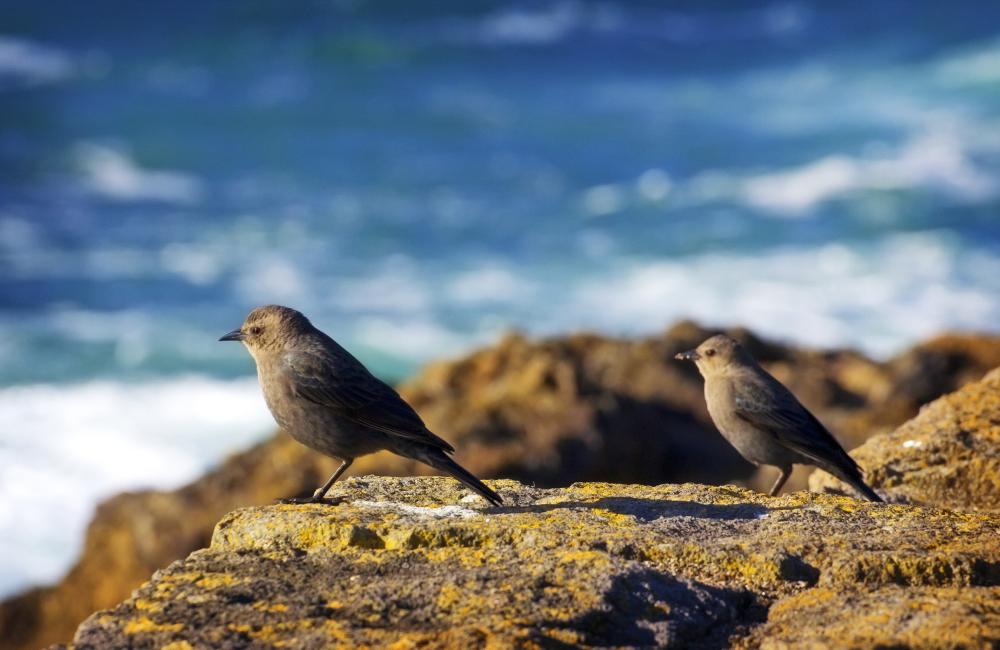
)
(650, 609)
(648, 510)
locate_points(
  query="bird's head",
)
(715, 355)
(269, 328)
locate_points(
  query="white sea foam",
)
(197, 264)
(601, 200)
(877, 297)
(798, 190)
(32, 63)
(112, 174)
(937, 159)
(942, 158)
(395, 288)
(272, 278)
(654, 184)
(971, 66)
(415, 339)
(489, 284)
(538, 26)
(548, 23)
(651, 186)
(534, 24)
(65, 447)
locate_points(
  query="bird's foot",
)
(327, 501)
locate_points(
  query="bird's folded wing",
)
(787, 420)
(347, 388)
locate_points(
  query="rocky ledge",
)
(949, 455)
(546, 412)
(420, 562)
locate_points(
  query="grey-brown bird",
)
(763, 420)
(327, 400)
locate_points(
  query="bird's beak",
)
(690, 355)
(235, 335)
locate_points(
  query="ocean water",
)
(418, 179)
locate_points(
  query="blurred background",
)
(418, 178)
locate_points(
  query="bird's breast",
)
(279, 396)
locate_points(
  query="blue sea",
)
(420, 177)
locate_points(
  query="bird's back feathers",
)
(765, 403)
(326, 374)
(771, 407)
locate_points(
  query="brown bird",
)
(327, 400)
(763, 420)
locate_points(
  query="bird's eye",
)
(257, 329)
(709, 353)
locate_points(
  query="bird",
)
(763, 420)
(327, 400)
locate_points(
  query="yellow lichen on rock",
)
(948, 456)
(589, 565)
(945, 617)
(178, 645)
(145, 625)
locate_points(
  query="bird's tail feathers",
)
(854, 479)
(439, 460)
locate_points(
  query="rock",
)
(421, 562)
(588, 407)
(890, 616)
(942, 365)
(549, 412)
(947, 456)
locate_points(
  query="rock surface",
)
(421, 563)
(548, 412)
(947, 456)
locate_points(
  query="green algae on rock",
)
(947, 456)
(418, 562)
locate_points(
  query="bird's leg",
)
(785, 473)
(318, 495)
